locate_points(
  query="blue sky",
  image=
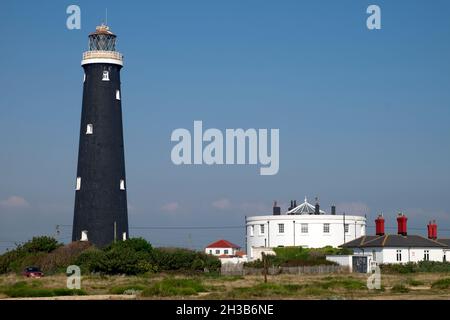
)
(363, 115)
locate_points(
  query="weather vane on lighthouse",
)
(100, 214)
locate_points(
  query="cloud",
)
(222, 204)
(14, 202)
(255, 208)
(170, 207)
(352, 208)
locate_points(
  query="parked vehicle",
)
(33, 272)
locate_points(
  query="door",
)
(359, 264)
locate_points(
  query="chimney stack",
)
(333, 210)
(432, 230)
(317, 208)
(402, 224)
(276, 209)
(291, 206)
(295, 203)
(379, 225)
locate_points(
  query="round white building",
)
(304, 225)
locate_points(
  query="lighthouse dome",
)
(102, 48)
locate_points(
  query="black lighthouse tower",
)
(100, 198)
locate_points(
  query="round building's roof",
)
(304, 208)
(102, 29)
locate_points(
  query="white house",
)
(222, 248)
(304, 225)
(400, 247)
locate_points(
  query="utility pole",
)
(344, 227)
(264, 259)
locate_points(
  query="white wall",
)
(293, 236)
(221, 251)
(257, 253)
(389, 255)
(345, 261)
(233, 260)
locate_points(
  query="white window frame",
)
(117, 94)
(262, 229)
(304, 228)
(347, 228)
(105, 75)
(281, 228)
(122, 184)
(210, 251)
(326, 228)
(399, 255)
(90, 128)
(225, 251)
(426, 255)
(217, 251)
(78, 184)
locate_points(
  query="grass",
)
(399, 288)
(331, 286)
(343, 283)
(127, 289)
(34, 289)
(441, 284)
(174, 287)
(414, 283)
(266, 290)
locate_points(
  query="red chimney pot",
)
(402, 224)
(379, 225)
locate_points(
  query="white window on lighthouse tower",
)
(117, 94)
(105, 76)
(84, 77)
(90, 128)
(122, 184)
(84, 235)
(78, 185)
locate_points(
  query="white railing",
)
(102, 54)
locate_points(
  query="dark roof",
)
(444, 241)
(394, 241)
(358, 241)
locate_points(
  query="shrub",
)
(27, 254)
(91, 260)
(124, 257)
(63, 256)
(298, 256)
(41, 244)
(412, 267)
(169, 259)
(134, 244)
